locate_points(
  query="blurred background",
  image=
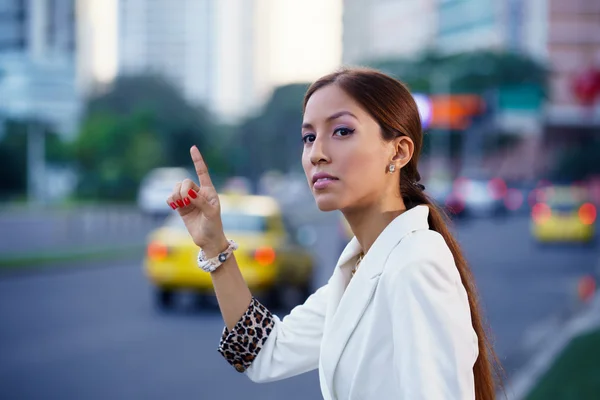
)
(100, 101)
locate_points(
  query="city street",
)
(93, 333)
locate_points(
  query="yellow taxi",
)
(271, 261)
(563, 214)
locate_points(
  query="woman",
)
(399, 317)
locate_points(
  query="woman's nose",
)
(318, 153)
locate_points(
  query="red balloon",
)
(586, 86)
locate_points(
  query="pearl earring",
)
(392, 168)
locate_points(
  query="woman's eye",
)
(308, 138)
(343, 131)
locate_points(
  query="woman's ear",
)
(404, 148)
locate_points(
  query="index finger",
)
(200, 166)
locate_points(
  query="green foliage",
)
(140, 124)
(272, 140)
(13, 160)
(472, 72)
(13, 156)
(114, 153)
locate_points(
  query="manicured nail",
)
(173, 206)
(192, 193)
(186, 201)
(180, 203)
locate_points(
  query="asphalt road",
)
(93, 333)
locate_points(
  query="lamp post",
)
(36, 163)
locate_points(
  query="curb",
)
(525, 380)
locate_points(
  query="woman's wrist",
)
(215, 247)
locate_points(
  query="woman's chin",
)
(327, 203)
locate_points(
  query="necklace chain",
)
(360, 258)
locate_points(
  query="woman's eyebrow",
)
(338, 114)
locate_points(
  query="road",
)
(93, 333)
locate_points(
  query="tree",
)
(141, 123)
(178, 123)
(271, 140)
(13, 160)
(114, 153)
(472, 72)
(13, 155)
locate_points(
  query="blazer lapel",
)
(348, 298)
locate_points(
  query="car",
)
(440, 192)
(520, 196)
(563, 214)
(477, 197)
(275, 266)
(156, 186)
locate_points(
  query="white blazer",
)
(399, 329)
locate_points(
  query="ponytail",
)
(487, 369)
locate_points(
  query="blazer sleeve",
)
(435, 345)
(267, 348)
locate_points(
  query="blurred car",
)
(477, 197)
(156, 186)
(440, 190)
(273, 264)
(563, 214)
(520, 196)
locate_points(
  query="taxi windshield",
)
(232, 222)
(564, 199)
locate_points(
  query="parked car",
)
(274, 265)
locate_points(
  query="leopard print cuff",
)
(241, 346)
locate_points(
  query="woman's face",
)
(345, 158)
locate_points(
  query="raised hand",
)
(199, 208)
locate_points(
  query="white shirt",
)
(399, 329)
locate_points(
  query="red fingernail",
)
(173, 206)
(180, 203)
(187, 201)
(192, 194)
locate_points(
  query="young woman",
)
(399, 317)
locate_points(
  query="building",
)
(467, 25)
(37, 47)
(573, 48)
(385, 29)
(13, 26)
(96, 56)
(228, 54)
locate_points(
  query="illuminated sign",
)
(455, 111)
(424, 106)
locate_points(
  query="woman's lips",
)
(324, 183)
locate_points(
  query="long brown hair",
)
(390, 103)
